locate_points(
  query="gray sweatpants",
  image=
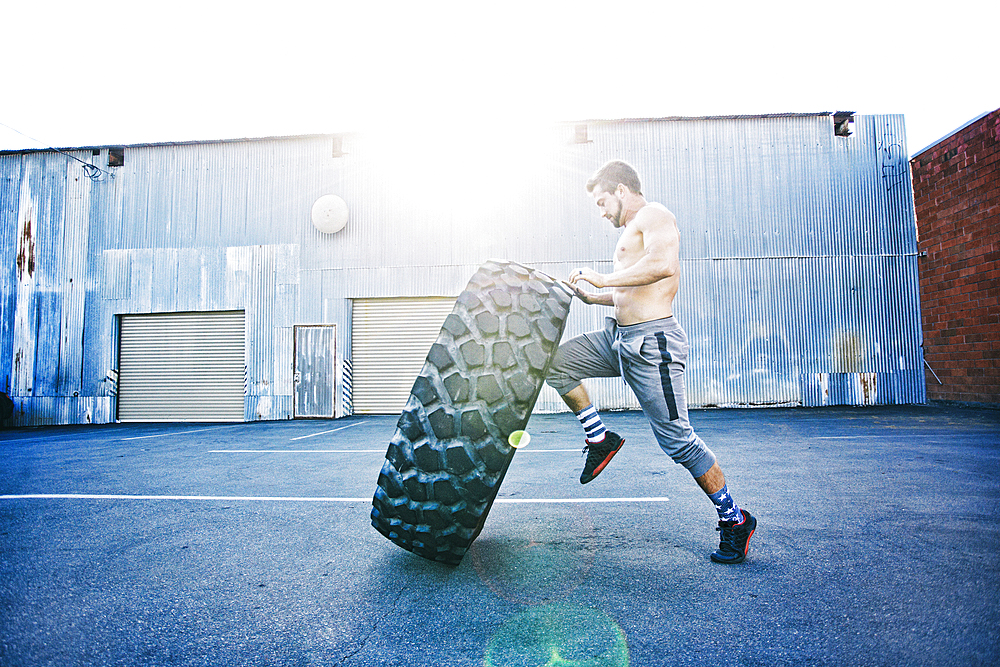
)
(650, 357)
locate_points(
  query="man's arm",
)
(660, 255)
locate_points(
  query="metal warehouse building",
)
(189, 281)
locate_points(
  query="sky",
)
(112, 73)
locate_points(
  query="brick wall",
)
(956, 187)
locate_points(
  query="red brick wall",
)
(956, 188)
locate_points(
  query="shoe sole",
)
(604, 463)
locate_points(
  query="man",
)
(643, 344)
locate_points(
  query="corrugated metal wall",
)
(798, 250)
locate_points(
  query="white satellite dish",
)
(329, 214)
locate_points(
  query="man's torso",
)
(634, 305)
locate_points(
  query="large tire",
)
(481, 379)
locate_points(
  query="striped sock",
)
(725, 505)
(592, 424)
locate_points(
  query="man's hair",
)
(611, 174)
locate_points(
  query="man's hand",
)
(588, 297)
(588, 275)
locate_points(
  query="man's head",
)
(613, 174)
(611, 186)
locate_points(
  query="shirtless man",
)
(643, 344)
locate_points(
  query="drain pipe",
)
(932, 372)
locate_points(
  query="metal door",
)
(182, 367)
(315, 370)
(389, 343)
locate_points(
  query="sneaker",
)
(599, 455)
(734, 540)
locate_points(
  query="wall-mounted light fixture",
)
(338, 146)
(843, 123)
(329, 214)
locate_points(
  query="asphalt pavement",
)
(250, 544)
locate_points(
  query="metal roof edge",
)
(192, 142)
(724, 117)
(319, 135)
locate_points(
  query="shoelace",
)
(727, 536)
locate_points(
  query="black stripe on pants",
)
(668, 385)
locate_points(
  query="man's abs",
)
(634, 305)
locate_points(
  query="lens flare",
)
(519, 439)
(558, 634)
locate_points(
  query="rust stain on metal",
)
(17, 367)
(26, 251)
(868, 386)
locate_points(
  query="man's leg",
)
(577, 398)
(653, 366)
(578, 401)
(587, 356)
(712, 481)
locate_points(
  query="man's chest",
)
(629, 248)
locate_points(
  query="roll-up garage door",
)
(390, 339)
(182, 367)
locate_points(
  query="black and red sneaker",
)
(734, 540)
(599, 455)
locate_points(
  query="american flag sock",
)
(592, 424)
(725, 505)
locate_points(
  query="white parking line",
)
(296, 451)
(313, 435)
(110, 496)
(655, 499)
(295, 499)
(175, 433)
(546, 451)
(866, 436)
(346, 451)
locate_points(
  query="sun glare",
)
(474, 159)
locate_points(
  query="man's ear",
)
(621, 190)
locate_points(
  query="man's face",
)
(610, 204)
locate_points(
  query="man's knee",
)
(561, 382)
(690, 452)
(558, 377)
(701, 462)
